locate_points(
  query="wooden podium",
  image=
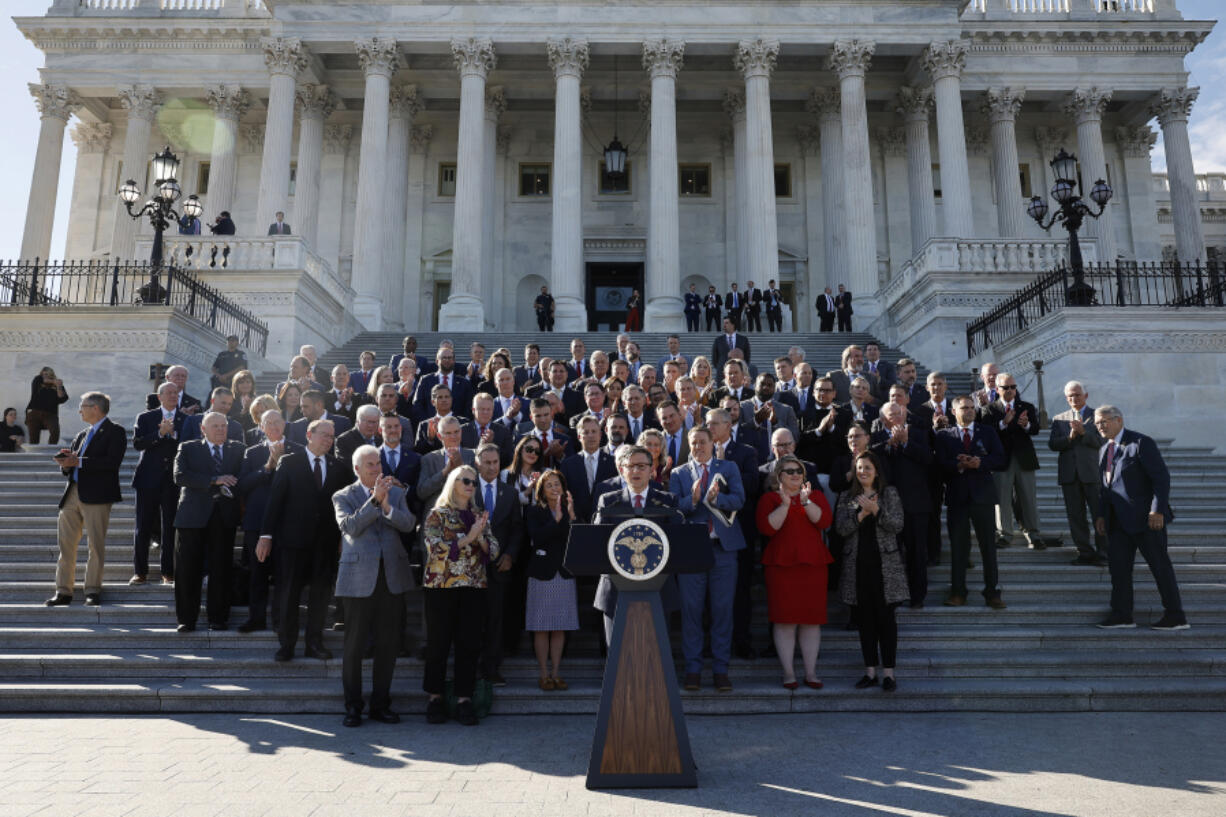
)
(641, 740)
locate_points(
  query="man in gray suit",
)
(436, 465)
(766, 411)
(1073, 435)
(372, 575)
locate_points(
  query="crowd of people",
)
(452, 486)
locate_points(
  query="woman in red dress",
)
(792, 518)
(634, 312)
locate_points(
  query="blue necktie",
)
(392, 459)
(489, 497)
(216, 459)
(672, 448)
(81, 452)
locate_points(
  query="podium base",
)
(641, 741)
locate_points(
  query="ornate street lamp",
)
(1072, 212)
(615, 151)
(160, 210)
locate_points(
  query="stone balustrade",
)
(158, 8)
(1069, 9)
(1209, 186)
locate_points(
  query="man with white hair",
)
(1078, 443)
(309, 352)
(438, 464)
(364, 432)
(187, 404)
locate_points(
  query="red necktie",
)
(706, 485)
(966, 440)
(638, 503)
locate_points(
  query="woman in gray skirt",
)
(552, 604)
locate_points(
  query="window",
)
(610, 186)
(202, 178)
(1024, 172)
(783, 181)
(293, 177)
(694, 180)
(446, 178)
(534, 180)
(936, 181)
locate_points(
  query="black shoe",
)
(888, 684)
(496, 679)
(250, 626)
(1093, 560)
(384, 716)
(1003, 542)
(284, 654)
(185, 628)
(916, 605)
(1052, 541)
(353, 716)
(1114, 622)
(436, 712)
(1037, 544)
(1171, 621)
(93, 599)
(865, 682)
(464, 713)
(317, 651)
(58, 600)
(219, 626)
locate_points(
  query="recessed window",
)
(614, 185)
(694, 180)
(936, 181)
(534, 180)
(1024, 172)
(293, 177)
(202, 178)
(446, 178)
(783, 181)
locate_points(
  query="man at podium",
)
(637, 498)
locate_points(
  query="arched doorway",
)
(525, 295)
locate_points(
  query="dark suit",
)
(512, 420)
(693, 307)
(556, 432)
(572, 401)
(425, 365)
(305, 537)
(349, 442)
(1077, 473)
(1021, 462)
(734, 306)
(347, 410)
(718, 395)
(887, 375)
(206, 520)
(774, 309)
(254, 486)
(842, 383)
(970, 496)
(157, 496)
(712, 305)
(753, 310)
(822, 448)
(910, 466)
(507, 525)
(842, 306)
(1136, 484)
(186, 401)
(279, 228)
(191, 429)
(470, 437)
(574, 471)
(461, 394)
(745, 457)
(826, 311)
(720, 349)
(525, 376)
(94, 482)
(297, 430)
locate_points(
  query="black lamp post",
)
(1072, 212)
(615, 152)
(160, 210)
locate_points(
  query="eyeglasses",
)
(468, 481)
(637, 466)
(825, 389)
(1007, 388)
(531, 449)
(795, 472)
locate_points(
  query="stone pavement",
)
(914, 765)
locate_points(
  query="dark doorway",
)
(608, 289)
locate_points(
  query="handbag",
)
(483, 698)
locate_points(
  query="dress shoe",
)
(995, 603)
(693, 681)
(1037, 544)
(353, 716)
(136, 581)
(93, 599)
(813, 684)
(317, 651)
(916, 605)
(722, 682)
(384, 716)
(218, 626)
(1003, 542)
(1171, 622)
(284, 654)
(865, 682)
(1052, 541)
(185, 628)
(559, 684)
(1114, 622)
(464, 713)
(793, 684)
(496, 679)
(888, 684)
(546, 684)
(955, 601)
(58, 600)
(1089, 561)
(250, 626)
(436, 711)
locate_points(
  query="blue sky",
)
(20, 61)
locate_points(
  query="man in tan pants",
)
(92, 468)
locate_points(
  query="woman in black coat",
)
(552, 606)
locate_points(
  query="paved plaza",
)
(1118, 764)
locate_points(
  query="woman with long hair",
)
(527, 464)
(552, 604)
(634, 312)
(289, 399)
(661, 465)
(243, 386)
(613, 388)
(704, 380)
(496, 362)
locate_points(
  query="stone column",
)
(849, 60)
(734, 106)
(1050, 142)
(503, 289)
(915, 106)
(285, 58)
(415, 316)
(1136, 143)
(464, 310)
(229, 104)
(756, 60)
(1001, 106)
(379, 59)
(662, 59)
(569, 59)
(1087, 106)
(892, 181)
(141, 102)
(315, 104)
(809, 142)
(495, 105)
(1172, 106)
(403, 108)
(55, 105)
(732, 213)
(944, 62)
(88, 188)
(826, 105)
(331, 191)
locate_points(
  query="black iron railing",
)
(113, 283)
(1125, 283)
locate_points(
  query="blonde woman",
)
(256, 410)
(704, 381)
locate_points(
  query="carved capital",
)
(808, 137)
(495, 102)
(893, 141)
(1136, 142)
(379, 55)
(502, 140)
(1173, 105)
(734, 103)
(474, 56)
(851, 58)
(756, 58)
(663, 58)
(336, 138)
(1050, 141)
(1087, 104)
(404, 103)
(568, 56)
(140, 101)
(825, 103)
(92, 137)
(1003, 104)
(54, 100)
(251, 138)
(420, 136)
(316, 101)
(945, 59)
(228, 101)
(284, 55)
(914, 104)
